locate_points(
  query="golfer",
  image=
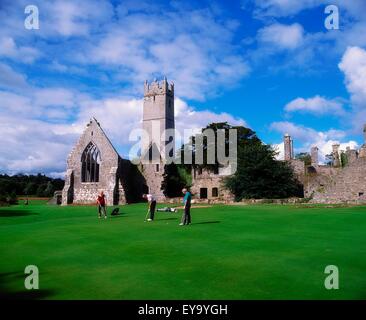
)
(186, 218)
(152, 205)
(101, 202)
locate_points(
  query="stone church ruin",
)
(94, 164)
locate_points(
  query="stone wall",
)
(346, 185)
(110, 170)
(299, 169)
(210, 180)
(153, 174)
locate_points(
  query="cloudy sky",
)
(267, 64)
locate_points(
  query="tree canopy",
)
(258, 174)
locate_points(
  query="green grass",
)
(229, 252)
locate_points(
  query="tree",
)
(244, 136)
(30, 188)
(304, 156)
(260, 175)
(175, 178)
(344, 159)
(12, 198)
(48, 192)
(40, 190)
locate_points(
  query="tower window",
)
(215, 192)
(90, 162)
(157, 168)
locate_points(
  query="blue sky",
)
(271, 65)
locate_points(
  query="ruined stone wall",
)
(299, 169)
(209, 180)
(76, 191)
(316, 181)
(154, 179)
(346, 185)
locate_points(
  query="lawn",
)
(229, 252)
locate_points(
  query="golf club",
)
(148, 211)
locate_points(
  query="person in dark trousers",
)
(152, 205)
(186, 218)
(101, 201)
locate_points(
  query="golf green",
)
(229, 252)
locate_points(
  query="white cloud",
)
(37, 134)
(353, 65)
(283, 8)
(73, 18)
(32, 146)
(129, 112)
(316, 105)
(9, 49)
(282, 36)
(193, 48)
(188, 117)
(308, 137)
(280, 150)
(11, 79)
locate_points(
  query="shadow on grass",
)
(166, 219)
(16, 213)
(118, 216)
(9, 294)
(206, 222)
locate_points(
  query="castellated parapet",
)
(156, 88)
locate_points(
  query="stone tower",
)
(158, 115)
(314, 156)
(158, 142)
(336, 155)
(289, 149)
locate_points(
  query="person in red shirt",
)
(101, 201)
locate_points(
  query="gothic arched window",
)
(90, 161)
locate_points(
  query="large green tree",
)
(260, 175)
(175, 178)
(304, 156)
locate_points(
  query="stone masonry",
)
(94, 165)
(158, 117)
(108, 176)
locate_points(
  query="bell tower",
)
(158, 116)
(158, 141)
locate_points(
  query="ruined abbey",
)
(341, 181)
(94, 164)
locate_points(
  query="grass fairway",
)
(229, 252)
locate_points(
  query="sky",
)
(271, 65)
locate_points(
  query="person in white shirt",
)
(152, 205)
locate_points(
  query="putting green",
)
(229, 252)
